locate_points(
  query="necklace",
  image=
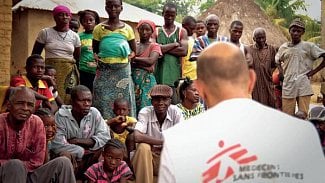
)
(62, 36)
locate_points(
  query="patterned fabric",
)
(42, 88)
(263, 64)
(168, 69)
(113, 76)
(203, 41)
(97, 174)
(28, 144)
(144, 79)
(113, 81)
(67, 76)
(188, 113)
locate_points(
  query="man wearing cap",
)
(295, 60)
(152, 120)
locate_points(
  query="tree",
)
(184, 7)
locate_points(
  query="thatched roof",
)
(250, 14)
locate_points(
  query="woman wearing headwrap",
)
(143, 64)
(114, 44)
(62, 50)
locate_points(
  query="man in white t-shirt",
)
(238, 139)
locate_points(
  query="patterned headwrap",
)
(151, 23)
(298, 23)
(61, 9)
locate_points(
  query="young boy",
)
(50, 77)
(121, 123)
(35, 68)
(113, 168)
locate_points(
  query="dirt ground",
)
(317, 95)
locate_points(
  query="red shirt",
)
(28, 145)
(42, 88)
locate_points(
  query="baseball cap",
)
(161, 90)
(317, 114)
(298, 23)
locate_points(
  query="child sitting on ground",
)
(122, 123)
(112, 168)
(50, 128)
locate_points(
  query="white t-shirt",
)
(58, 44)
(240, 140)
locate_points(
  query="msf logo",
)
(225, 163)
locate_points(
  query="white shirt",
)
(240, 140)
(149, 124)
(58, 44)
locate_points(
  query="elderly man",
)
(263, 64)
(81, 130)
(152, 120)
(212, 26)
(237, 136)
(296, 59)
(23, 144)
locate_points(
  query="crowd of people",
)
(103, 107)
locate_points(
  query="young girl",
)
(143, 64)
(87, 64)
(113, 169)
(114, 43)
(50, 128)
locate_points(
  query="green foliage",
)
(206, 5)
(154, 6)
(184, 7)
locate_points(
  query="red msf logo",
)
(225, 162)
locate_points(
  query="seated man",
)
(81, 130)
(152, 120)
(23, 144)
(35, 68)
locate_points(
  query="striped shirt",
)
(97, 174)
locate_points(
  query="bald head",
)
(222, 61)
(222, 73)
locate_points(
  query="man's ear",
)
(251, 81)
(199, 85)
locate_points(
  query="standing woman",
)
(114, 43)
(62, 50)
(87, 66)
(190, 100)
(143, 64)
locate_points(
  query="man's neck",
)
(161, 117)
(77, 116)
(15, 125)
(32, 81)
